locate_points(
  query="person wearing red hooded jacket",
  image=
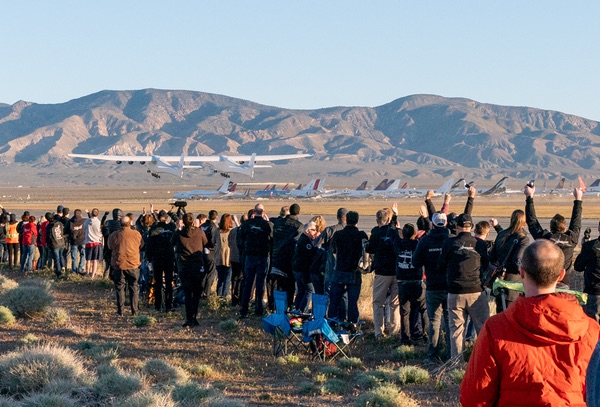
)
(537, 351)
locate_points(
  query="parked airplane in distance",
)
(558, 190)
(223, 191)
(446, 187)
(272, 192)
(311, 190)
(360, 192)
(594, 188)
(224, 164)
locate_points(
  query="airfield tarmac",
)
(39, 200)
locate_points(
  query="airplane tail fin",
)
(393, 185)
(223, 189)
(310, 185)
(233, 187)
(446, 186)
(561, 183)
(318, 184)
(285, 187)
(458, 184)
(381, 185)
(405, 186)
(362, 186)
(251, 165)
(596, 183)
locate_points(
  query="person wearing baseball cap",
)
(427, 255)
(463, 259)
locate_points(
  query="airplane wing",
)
(238, 158)
(105, 157)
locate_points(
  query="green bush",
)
(228, 325)
(385, 396)
(6, 316)
(31, 369)
(26, 300)
(404, 352)
(350, 363)
(146, 399)
(412, 374)
(191, 394)
(8, 402)
(47, 400)
(115, 383)
(57, 317)
(45, 285)
(456, 375)
(336, 386)
(201, 370)
(144, 320)
(29, 339)
(366, 381)
(7, 284)
(158, 371)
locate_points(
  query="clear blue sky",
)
(307, 54)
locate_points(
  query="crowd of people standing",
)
(428, 276)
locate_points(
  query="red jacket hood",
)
(536, 317)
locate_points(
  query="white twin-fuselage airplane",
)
(223, 164)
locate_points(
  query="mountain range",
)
(420, 136)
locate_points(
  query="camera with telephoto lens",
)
(180, 204)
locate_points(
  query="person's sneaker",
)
(186, 324)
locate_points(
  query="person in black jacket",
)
(564, 238)
(255, 237)
(189, 247)
(588, 261)
(56, 244)
(76, 238)
(464, 258)
(411, 288)
(427, 255)
(161, 259)
(286, 231)
(384, 267)
(502, 247)
(304, 253)
(211, 229)
(346, 245)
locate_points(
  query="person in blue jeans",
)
(255, 237)
(346, 246)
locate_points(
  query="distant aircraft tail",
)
(446, 186)
(362, 186)
(382, 185)
(561, 183)
(499, 187)
(393, 185)
(596, 183)
(405, 186)
(225, 188)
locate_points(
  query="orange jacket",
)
(534, 354)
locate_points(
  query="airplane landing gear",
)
(224, 174)
(154, 174)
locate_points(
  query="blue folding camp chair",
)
(286, 332)
(318, 332)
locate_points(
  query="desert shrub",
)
(113, 382)
(29, 339)
(6, 316)
(306, 387)
(228, 325)
(31, 369)
(412, 374)
(85, 345)
(288, 360)
(26, 300)
(191, 394)
(7, 284)
(366, 381)
(45, 285)
(320, 378)
(8, 402)
(146, 399)
(57, 317)
(385, 396)
(144, 320)
(224, 402)
(333, 371)
(384, 374)
(404, 352)
(350, 363)
(336, 386)
(456, 375)
(158, 371)
(201, 370)
(48, 400)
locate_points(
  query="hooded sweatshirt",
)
(533, 354)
